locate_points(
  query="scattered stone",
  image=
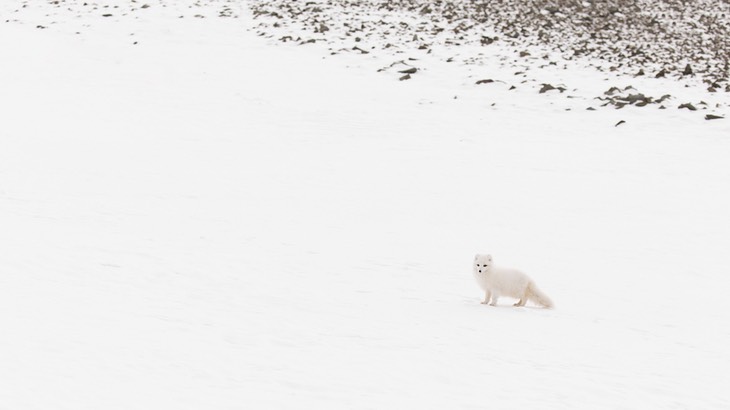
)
(688, 106)
(713, 117)
(661, 73)
(634, 98)
(619, 123)
(485, 41)
(411, 70)
(487, 81)
(546, 87)
(405, 77)
(687, 70)
(549, 87)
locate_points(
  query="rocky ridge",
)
(685, 41)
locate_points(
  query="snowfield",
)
(196, 216)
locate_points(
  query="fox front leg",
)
(495, 296)
(487, 296)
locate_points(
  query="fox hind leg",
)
(523, 298)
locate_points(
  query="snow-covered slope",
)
(207, 219)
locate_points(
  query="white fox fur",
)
(498, 282)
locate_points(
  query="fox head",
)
(482, 263)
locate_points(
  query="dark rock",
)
(619, 123)
(634, 98)
(713, 117)
(411, 70)
(487, 81)
(688, 106)
(546, 87)
(405, 77)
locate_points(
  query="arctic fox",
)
(508, 282)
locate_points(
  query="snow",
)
(211, 219)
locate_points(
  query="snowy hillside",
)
(540, 46)
(197, 215)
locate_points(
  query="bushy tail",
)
(538, 297)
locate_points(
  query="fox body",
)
(496, 282)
